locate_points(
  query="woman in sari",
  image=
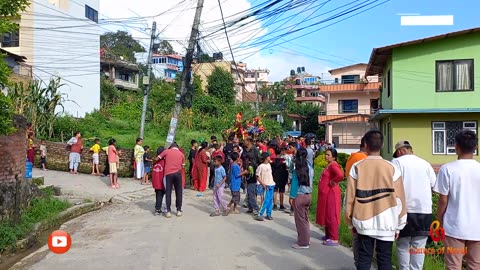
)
(200, 169)
(329, 199)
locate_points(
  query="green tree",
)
(311, 112)
(121, 44)
(220, 85)
(205, 58)
(165, 48)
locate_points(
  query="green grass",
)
(41, 209)
(432, 262)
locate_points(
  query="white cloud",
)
(177, 25)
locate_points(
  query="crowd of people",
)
(384, 202)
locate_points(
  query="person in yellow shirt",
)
(95, 157)
(354, 158)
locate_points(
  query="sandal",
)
(216, 214)
(330, 243)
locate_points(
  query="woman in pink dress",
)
(329, 199)
(200, 169)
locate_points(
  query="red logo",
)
(59, 242)
(437, 233)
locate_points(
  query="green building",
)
(430, 91)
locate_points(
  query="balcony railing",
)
(346, 112)
(125, 84)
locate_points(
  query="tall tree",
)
(165, 48)
(220, 85)
(121, 44)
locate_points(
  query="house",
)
(255, 77)
(164, 66)
(305, 87)
(429, 92)
(123, 74)
(350, 101)
(67, 48)
(204, 70)
(21, 72)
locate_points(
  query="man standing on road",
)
(174, 163)
(251, 156)
(418, 180)
(375, 204)
(458, 183)
(76, 146)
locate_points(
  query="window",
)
(347, 79)
(348, 106)
(10, 39)
(91, 13)
(299, 93)
(124, 77)
(373, 105)
(336, 80)
(443, 135)
(454, 75)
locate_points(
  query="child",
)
(43, 155)
(95, 157)
(235, 183)
(158, 174)
(219, 185)
(280, 176)
(251, 187)
(113, 162)
(147, 162)
(265, 178)
(31, 148)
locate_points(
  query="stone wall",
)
(57, 159)
(16, 192)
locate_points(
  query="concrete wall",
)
(363, 102)
(349, 134)
(16, 192)
(414, 73)
(354, 70)
(57, 159)
(66, 48)
(417, 129)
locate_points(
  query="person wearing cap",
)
(265, 178)
(418, 180)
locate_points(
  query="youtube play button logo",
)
(59, 242)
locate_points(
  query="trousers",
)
(219, 199)
(74, 159)
(267, 205)
(251, 196)
(408, 260)
(302, 204)
(174, 180)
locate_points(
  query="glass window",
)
(454, 75)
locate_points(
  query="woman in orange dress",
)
(329, 199)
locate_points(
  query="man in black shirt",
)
(191, 158)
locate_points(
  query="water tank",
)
(292, 72)
(218, 56)
(299, 70)
(303, 69)
(29, 169)
(298, 82)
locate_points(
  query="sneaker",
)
(259, 218)
(269, 218)
(296, 246)
(168, 215)
(250, 211)
(282, 208)
(275, 208)
(255, 212)
(179, 214)
(157, 213)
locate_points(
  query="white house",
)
(61, 38)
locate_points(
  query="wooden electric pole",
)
(186, 75)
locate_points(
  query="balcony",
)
(350, 87)
(125, 84)
(352, 116)
(320, 99)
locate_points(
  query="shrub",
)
(6, 115)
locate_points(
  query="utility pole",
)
(186, 74)
(257, 106)
(146, 80)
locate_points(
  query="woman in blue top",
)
(300, 191)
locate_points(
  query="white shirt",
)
(460, 180)
(418, 180)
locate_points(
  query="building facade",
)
(20, 71)
(123, 74)
(164, 67)
(429, 92)
(68, 48)
(254, 77)
(350, 101)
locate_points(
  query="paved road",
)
(127, 236)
